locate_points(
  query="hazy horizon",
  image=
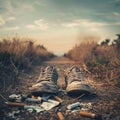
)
(60, 24)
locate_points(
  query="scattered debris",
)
(50, 104)
(31, 108)
(13, 114)
(73, 106)
(15, 97)
(76, 110)
(89, 114)
(86, 106)
(43, 95)
(33, 100)
(24, 97)
(60, 116)
(58, 99)
(76, 107)
(16, 104)
(30, 77)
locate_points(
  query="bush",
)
(81, 51)
(103, 61)
(19, 53)
(22, 52)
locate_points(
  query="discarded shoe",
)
(46, 82)
(75, 82)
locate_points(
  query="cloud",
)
(83, 23)
(42, 24)
(116, 23)
(11, 19)
(116, 0)
(27, 6)
(40, 3)
(11, 28)
(39, 24)
(2, 21)
(32, 27)
(9, 6)
(117, 14)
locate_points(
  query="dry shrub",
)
(18, 53)
(79, 52)
(23, 52)
(103, 61)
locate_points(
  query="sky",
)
(60, 24)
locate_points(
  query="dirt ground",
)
(105, 101)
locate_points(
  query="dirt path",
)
(105, 101)
(59, 61)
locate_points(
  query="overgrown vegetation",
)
(18, 54)
(102, 68)
(103, 60)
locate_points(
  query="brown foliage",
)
(18, 53)
(23, 52)
(79, 52)
(103, 61)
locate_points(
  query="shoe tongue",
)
(48, 68)
(75, 69)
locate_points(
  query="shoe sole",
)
(77, 89)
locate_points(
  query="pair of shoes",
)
(75, 82)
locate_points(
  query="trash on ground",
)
(50, 104)
(86, 106)
(60, 116)
(24, 97)
(31, 108)
(33, 100)
(44, 102)
(39, 98)
(33, 97)
(73, 106)
(15, 97)
(15, 104)
(76, 107)
(89, 114)
(58, 99)
(76, 110)
(13, 114)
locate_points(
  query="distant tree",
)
(65, 55)
(105, 42)
(117, 42)
(41, 47)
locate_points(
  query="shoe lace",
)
(47, 74)
(75, 75)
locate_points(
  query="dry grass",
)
(103, 61)
(16, 54)
(79, 52)
(102, 64)
(23, 52)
